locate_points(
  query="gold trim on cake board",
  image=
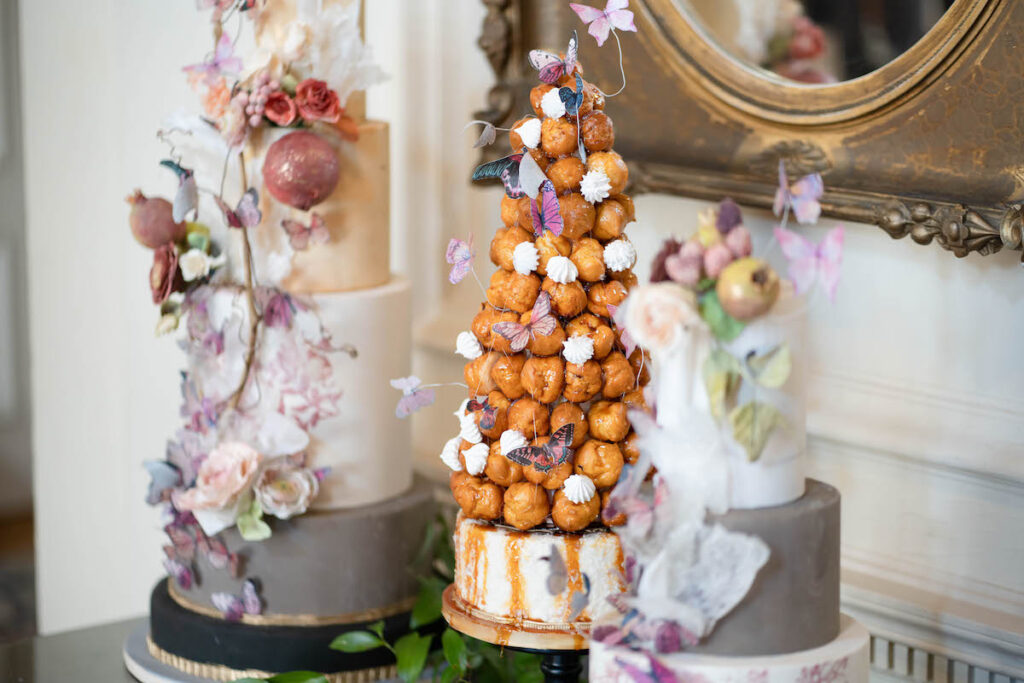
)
(295, 619)
(219, 672)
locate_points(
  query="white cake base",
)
(844, 660)
(368, 449)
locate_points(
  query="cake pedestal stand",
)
(560, 648)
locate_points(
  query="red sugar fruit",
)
(301, 169)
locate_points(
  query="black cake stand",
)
(561, 650)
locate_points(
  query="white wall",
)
(918, 391)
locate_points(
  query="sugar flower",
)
(658, 316)
(284, 490)
(223, 481)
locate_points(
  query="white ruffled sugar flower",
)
(468, 429)
(578, 349)
(562, 270)
(511, 439)
(595, 186)
(579, 488)
(468, 346)
(476, 458)
(196, 264)
(529, 132)
(619, 255)
(551, 104)
(450, 454)
(525, 258)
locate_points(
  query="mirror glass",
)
(816, 41)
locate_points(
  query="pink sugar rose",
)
(658, 315)
(227, 473)
(317, 102)
(280, 108)
(284, 490)
(164, 275)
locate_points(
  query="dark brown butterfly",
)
(551, 454)
(490, 416)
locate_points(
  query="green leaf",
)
(378, 628)
(526, 668)
(427, 547)
(450, 675)
(411, 652)
(723, 325)
(752, 424)
(427, 609)
(198, 240)
(455, 652)
(290, 677)
(251, 525)
(357, 641)
(771, 369)
(722, 379)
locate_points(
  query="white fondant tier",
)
(844, 660)
(504, 573)
(366, 446)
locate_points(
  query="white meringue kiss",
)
(468, 346)
(562, 270)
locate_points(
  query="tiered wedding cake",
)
(293, 515)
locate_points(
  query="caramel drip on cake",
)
(513, 566)
(572, 568)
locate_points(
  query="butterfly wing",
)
(224, 59)
(406, 385)
(180, 571)
(251, 602)
(558, 446)
(506, 169)
(542, 323)
(163, 477)
(230, 217)
(572, 99)
(298, 234)
(571, 52)
(830, 260)
(801, 254)
(248, 210)
(487, 135)
(550, 215)
(230, 606)
(531, 456)
(600, 28)
(216, 553)
(517, 334)
(184, 544)
(558, 576)
(550, 66)
(579, 599)
(318, 233)
(186, 199)
(489, 417)
(530, 175)
(410, 403)
(586, 13)
(621, 19)
(805, 194)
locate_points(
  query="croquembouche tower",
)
(544, 434)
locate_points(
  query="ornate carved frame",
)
(931, 145)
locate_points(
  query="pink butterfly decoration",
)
(544, 211)
(809, 262)
(247, 214)
(541, 322)
(234, 607)
(223, 62)
(302, 236)
(551, 66)
(460, 256)
(181, 572)
(602, 22)
(802, 197)
(413, 396)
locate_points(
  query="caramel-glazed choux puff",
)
(544, 377)
(544, 344)
(526, 505)
(507, 373)
(558, 138)
(549, 246)
(529, 416)
(603, 294)
(613, 166)
(496, 400)
(570, 413)
(566, 174)
(536, 95)
(496, 288)
(641, 362)
(629, 449)
(504, 244)
(509, 210)
(500, 469)
(514, 141)
(524, 217)
(578, 216)
(627, 278)
(618, 375)
(588, 256)
(607, 516)
(611, 219)
(597, 131)
(635, 399)
(483, 325)
(477, 373)
(520, 291)
(570, 516)
(582, 382)
(608, 421)
(479, 499)
(627, 203)
(598, 329)
(567, 300)
(600, 461)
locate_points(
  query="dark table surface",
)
(89, 655)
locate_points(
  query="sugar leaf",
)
(251, 525)
(723, 325)
(752, 424)
(772, 368)
(721, 380)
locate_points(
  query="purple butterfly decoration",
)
(459, 256)
(550, 66)
(246, 214)
(809, 262)
(186, 200)
(802, 196)
(179, 571)
(541, 323)
(234, 607)
(602, 22)
(490, 413)
(544, 211)
(222, 62)
(217, 554)
(572, 99)
(551, 454)
(302, 236)
(414, 396)
(183, 546)
(506, 169)
(164, 477)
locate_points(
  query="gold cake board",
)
(527, 635)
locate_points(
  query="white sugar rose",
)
(595, 186)
(659, 316)
(476, 458)
(284, 490)
(468, 346)
(578, 349)
(525, 258)
(511, 439)
(529, 132)
(222, 486)
(194, 264)
(562, 270)
(579, 488)
(450, 454)
(619, 255)
(551, 104)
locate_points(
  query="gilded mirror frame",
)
(929, 146)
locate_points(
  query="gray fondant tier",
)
(353, 562)
(794, 602)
